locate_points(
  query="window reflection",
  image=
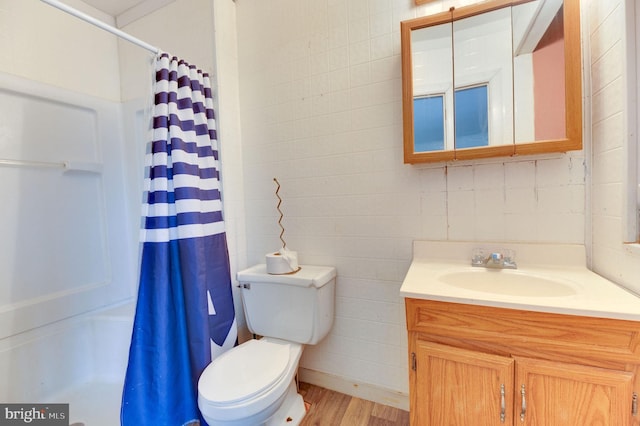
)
(472, 118)
(428, 123)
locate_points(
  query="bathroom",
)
(308, 92)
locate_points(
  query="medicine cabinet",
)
(499, 78)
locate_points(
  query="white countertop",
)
(594, 295)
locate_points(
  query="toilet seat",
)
(248, 383)
(244, 372)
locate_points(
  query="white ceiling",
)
(126, 11)
(113, 7)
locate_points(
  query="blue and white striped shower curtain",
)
(184, 314)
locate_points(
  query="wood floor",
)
(330, 408)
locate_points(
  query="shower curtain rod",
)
(100, 24)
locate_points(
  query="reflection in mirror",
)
(539, 83)
(432, 65)
(428, 125)
(483, 79)
(472, 121)
(518, 85)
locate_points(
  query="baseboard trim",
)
(359, 390)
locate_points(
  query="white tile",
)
(554, 172)
(607, 199)
(608, 67)
(360, 74)
(433, 179)
(489, 202)
(319, 84)
(461, 203)
(490, 227)
(359, 52)
(606, 28)
(608, 133)
(459, 178)
(387, 69)
(338, 36)
(358, 8)
(381, 46)
(380, 6)
(358, 30)
(434, 228)
(461, 227)
(338, 14)
(521, 174)
(488, 176)
(380, 24)
(607, 231)
(520, 201)
(607, 167)
(521, 226)
(338, 59)
(608, 101)
(434, 203)
(561, 228)
(375, 116)
(319, 63)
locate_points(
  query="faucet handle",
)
(509, 258)
(508, 254)
(477, 257)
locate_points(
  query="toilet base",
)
(292, 410)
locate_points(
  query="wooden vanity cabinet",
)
(478, 365)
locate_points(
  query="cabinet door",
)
(458, 387)
(559, 394)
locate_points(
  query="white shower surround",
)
(79, 361)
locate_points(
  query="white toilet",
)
(255, 383)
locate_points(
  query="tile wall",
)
(605, 22)
(320, 108)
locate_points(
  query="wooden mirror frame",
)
(572, 77)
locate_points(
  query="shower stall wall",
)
(70, 166)
(70, 246)
(69, 242)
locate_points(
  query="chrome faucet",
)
(498, 260)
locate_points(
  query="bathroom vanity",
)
(504, 354)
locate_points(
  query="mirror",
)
(538, 68)
(432, 54)
(483, 78)
(495, 79)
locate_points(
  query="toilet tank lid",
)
(307, 276)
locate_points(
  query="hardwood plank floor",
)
(330, 408)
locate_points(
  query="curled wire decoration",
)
(284, 244)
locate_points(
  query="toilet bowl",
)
(253, 384)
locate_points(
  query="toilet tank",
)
(297, 307)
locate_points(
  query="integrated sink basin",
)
(507, 282)
(543, 277)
